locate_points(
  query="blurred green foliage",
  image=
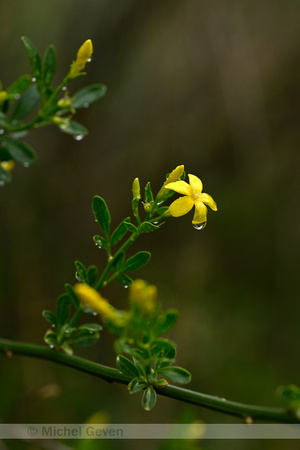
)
(214, 86)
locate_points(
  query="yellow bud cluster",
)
(143, 295)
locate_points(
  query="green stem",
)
(109, 265)
(113, 375)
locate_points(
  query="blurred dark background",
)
(211, 85)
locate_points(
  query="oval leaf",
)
(136, 261)
(19, 151)
(176, 374)
(49, 65)
(27, 103)
(124, 280)
(33, 57)
(50, 317)
(102, 215)
(149, 398)
(127, 367)
(88, 95)
(119, 232)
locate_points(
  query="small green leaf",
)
(100, 242)
(19, 86)
(81, 273)
(63, 309)
(74, 128)
(92, 274)
(136, 385)
(49, 65)
(165, 346)
(136, 261)
(162, 383)
(124, 280)
(176, 374)
(50, 338)
(19, 151)
(130, 227)
(118, 261)
(88, 95)
(49, 316)
(5, 176)
(119, 232)
(149, 398)
(102, 215)
(90, 327)
(165, 321)
(84, 338)
(27, 103)
(148, 193)
(33, 56)
(290, 398)
(147, 227)
(70, 291)
(127, 367)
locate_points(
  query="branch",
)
(9, 348)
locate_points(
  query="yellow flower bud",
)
(83, 56)
(143, 295)
(97, 303)
(175, 175)
(136, 191)
(3, 96)
(7, 165)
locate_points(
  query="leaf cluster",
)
(31, 102)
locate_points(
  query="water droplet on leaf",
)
(95, 314)
(199, 226)
(33, 79)
(26, 164)
(86, 105)
(64, 88)
(1, 131)
(17, 96)
(89, 60)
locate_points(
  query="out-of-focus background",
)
(211, 85)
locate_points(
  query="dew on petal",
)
(199, 226)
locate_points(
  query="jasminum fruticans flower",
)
(83, 56)
(94, 300)
(193, 196)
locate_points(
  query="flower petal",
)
(180, 186)
(209, 201)
(200, 215)
(181, 206)
(196, 184)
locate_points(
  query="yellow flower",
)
(83, 56)
(193, 196)
(7, 165)
(3, 96)
(97, 303)
(143, 295)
